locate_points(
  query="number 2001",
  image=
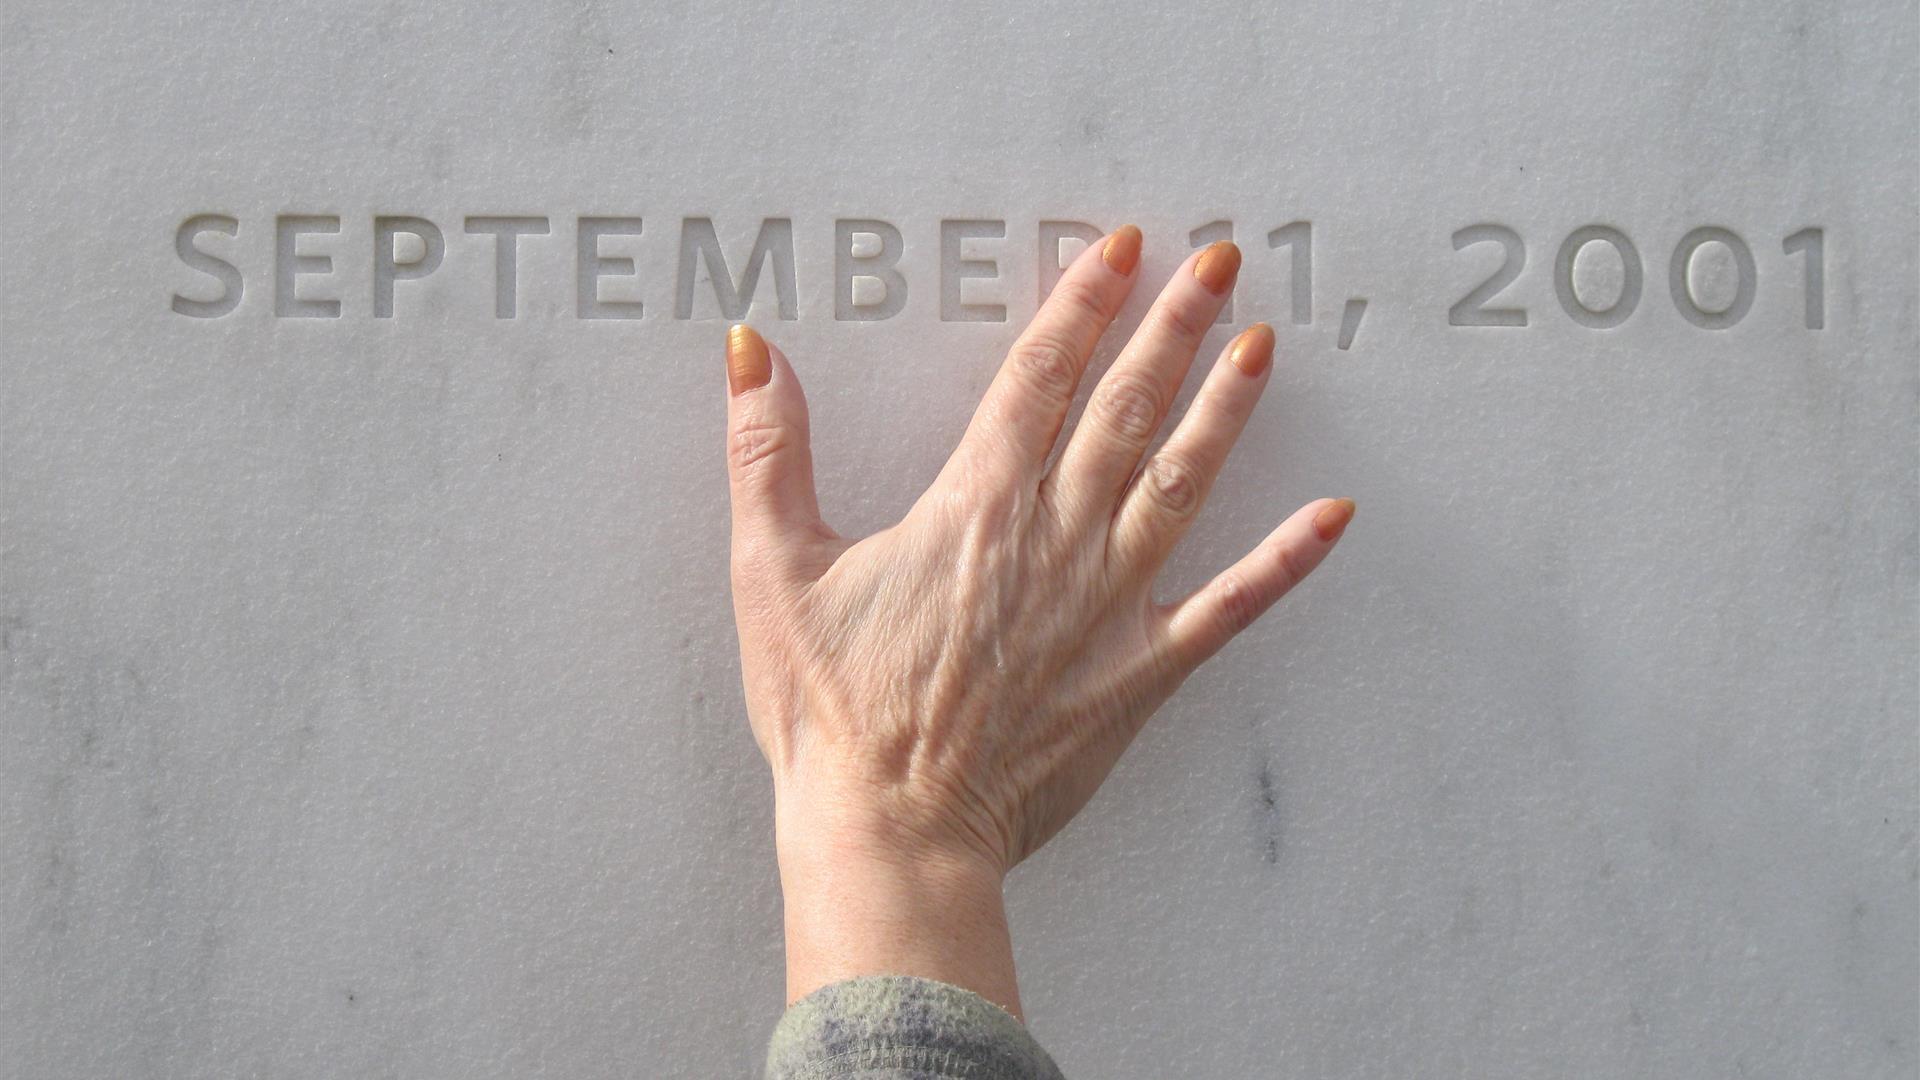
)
(1472, 309)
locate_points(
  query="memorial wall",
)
(371, 697)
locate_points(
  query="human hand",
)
(938, 699)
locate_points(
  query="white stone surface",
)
(371, 702)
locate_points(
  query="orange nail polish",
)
(1218, 266)
(1331, 521)
(748, 365)
(1252, 351)
(1122, 252)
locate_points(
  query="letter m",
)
(700, 245)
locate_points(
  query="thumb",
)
(769, 460)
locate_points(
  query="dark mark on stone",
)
(1270, 811)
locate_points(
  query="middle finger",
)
(1131, 401)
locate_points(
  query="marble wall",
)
(371, 705)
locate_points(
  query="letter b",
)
(849, 264)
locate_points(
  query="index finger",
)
(1020, 416)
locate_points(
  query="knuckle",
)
(1186, 322)
(1239, 605)
(1079, 299)
(990, 518)
(1292, 570)
(1173, 485)
(755, 440)
(1045, 364)
(1130, 405)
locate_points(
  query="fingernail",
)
(1122, 252)
(1252, 351)
(748, 366)
(1330, 522)
(1217, 266)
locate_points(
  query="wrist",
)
(864, 896)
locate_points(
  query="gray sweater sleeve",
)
(899, 1027)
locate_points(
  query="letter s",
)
(227, 274)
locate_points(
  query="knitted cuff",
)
(894, 1025)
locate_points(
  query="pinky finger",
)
(1200, 625)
